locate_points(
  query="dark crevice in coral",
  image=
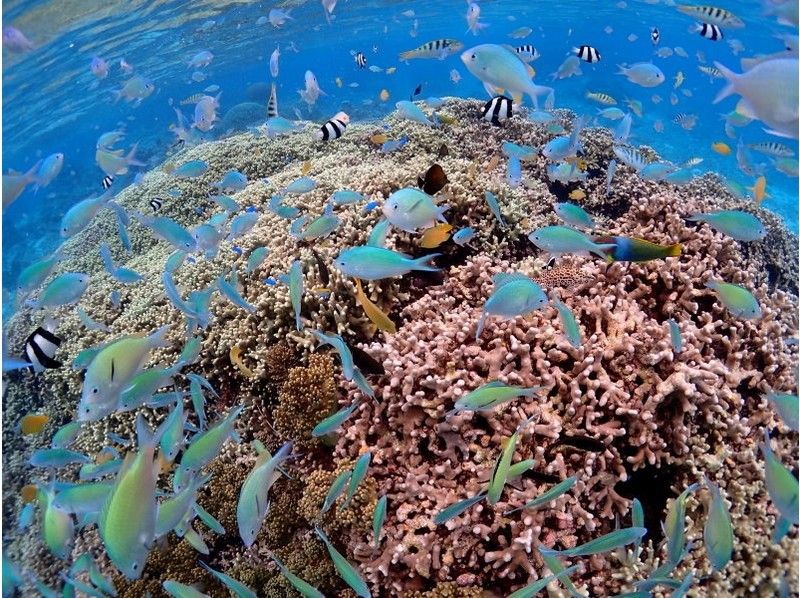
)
(653, 487)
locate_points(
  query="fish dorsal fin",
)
(505, 277)
(494, 384)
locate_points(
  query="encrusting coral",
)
(655, 420)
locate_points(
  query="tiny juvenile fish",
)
(336, 489)
(568, 322)
(435, 236)
(500, 473)
(378, 517)
(294, 279)
(494, 206)
(357, 476)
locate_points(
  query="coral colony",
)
(623, 423)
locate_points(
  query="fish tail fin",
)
(421, 263)
(146, 437)
(622, 69)
(530, 392)
(730, 77)
(131, 160)
(408, 55)
(674, 250)
(481, 322)
(158, 338)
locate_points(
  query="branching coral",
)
(658, 420)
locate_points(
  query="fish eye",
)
(135, 566)
(95, 391)
(473, 56)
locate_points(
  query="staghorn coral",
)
(664, 418)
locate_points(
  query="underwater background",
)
(308, 425)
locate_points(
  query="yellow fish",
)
(236, 360)
(29, 493)
(374, 313)
(679, 78)
(721, 148)
(305, 168)
(447, 119)
(384, 95)
(339, 82)
(391, 70)
(577, 194)
(435, 236)
(33, 423)
(379, 138)
(759, 189)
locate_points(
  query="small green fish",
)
(306, 589)
(173, 510)
(128, 519)
(358, 475)
(58, 527)
(500, 473)
(739, 301)
(64, 289)
(738, 225)
(337, 342)
(34, 275)
(345, 570)
(781, 484)
(66, 435)
(237, 587)
(251, 509)
(378, 517)
(558, 240)
(82, 498)
(788, 407)
(255, 259)
(554, 564)
(717, 531)
(637, 520)
(332, 422)
(336, 489)
(573, 215)
(180, 590)
(490, 395)
(230, 289)
(568, 322)
(54, 458)
(675, 336)
(514, 295)
(674, 529)
(375, 263)
(377, 236)
(173, 437)
(548, 496)
(457, 508)
(604, 543)
(294, 279)
(205, 446)
(531, 590)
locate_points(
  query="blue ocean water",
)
(53, 103)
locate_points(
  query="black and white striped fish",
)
(361, 60)
(587, 53)
(156, 203)
(107, 181)
(709, 31)
(41, 346)
(272, 104)
(334, 128)
(497, 110)
(527, 53)
(655, 36)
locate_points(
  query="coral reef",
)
(658, 420)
